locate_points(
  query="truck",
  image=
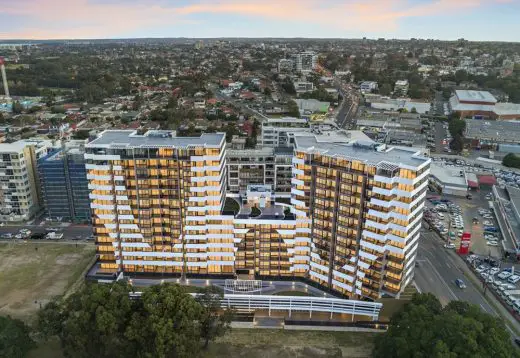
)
(54, 236)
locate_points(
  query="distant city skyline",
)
(491, 20)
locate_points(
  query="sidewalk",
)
(489, 296)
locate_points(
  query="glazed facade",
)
(158, 207)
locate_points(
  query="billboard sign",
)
(465, 242)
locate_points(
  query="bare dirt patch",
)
(33, 273)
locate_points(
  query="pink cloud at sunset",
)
(44, 19)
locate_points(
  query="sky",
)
(484, 20)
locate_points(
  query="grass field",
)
(260, 343)
(33, 273)
(252, 343)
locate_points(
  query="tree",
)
(15, 340)
(385, 89)
(81, 135)
(165, 323)
(292, 109)
(413, 110)
(267, 91)
(425, 329)
(91, 322)
(511, 160)
(213, 324)
(457, 143)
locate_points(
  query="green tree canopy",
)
(425, 329)
(511, 160)
(292, 109)
(212, 323)
(103, 321)
(15, 341)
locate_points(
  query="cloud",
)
(88, 19)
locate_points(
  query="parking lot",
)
(452, 216)
(502, 279)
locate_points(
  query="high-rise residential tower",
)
(352, 224)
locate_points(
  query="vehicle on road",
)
(492, 243)
(7, 235)
(37, 236)
(460, 284)
(54, 236)
(51, 229)
(449, 246)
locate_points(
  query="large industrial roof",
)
(475, 96)
(130, 138)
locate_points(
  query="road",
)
(437, 271)
(69, 232)
(348, 107)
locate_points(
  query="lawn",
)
(32, 273)
(252, 343)
(231, 205)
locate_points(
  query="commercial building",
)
(448, 181)
(64, 185)
(488, 134)
(482, 105)
(352, 225)
(20, 194)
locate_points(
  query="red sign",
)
(1, 61)
(465, 242)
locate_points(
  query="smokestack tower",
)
(4, 77)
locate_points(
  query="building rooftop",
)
(448, 176)
(153, 138)
(495, 131)
(356, 145)
(18, 146)
(475, 96)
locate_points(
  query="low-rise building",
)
(448, 181)
(401, 88)
(368, 86)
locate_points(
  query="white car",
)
(487, 223)
(492, 243)
(449, 246)
(513, 279)
(504, 274)
(494, 270)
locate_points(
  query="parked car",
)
(7, 235)
(513, 279)
(449, 246)
(37, 236)
(492, 243)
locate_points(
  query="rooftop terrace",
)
(152, 138)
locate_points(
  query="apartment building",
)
(156, 203)
(351, 225)
(306, 61)
(19, 183)
(267, 165)
(64, 185)
(279, 132)
(363, 203)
